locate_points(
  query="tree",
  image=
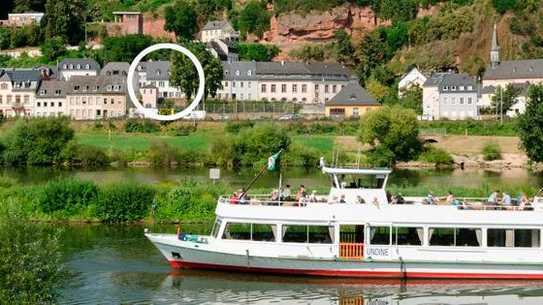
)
(184, 74)
(23, 6)
(376, 89)
(530, 124)
(254, 18)
(372, 52)
(412, 99)
(181, 18)
(124, 48)
(392, 131)
(308, 53)
(30, 259)
(503, 6)
(343, 47)
(398, 10)
(66, 19)
(53, 48)
(504, 99)
(37, 141)
(257, 51)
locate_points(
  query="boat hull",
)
(189, 256)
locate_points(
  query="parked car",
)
(289, 117)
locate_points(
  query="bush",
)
(189, 201)
(302, 156)
(237, 126)
(123, 202)
(491, 152)
(257, 51)
(84, 155)
(30, 259)
(437, 156)
(67, 196)
(161, 154)
(141, 126)
(38, 141)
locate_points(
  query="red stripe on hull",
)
(355, 273)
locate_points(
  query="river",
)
(117, 265)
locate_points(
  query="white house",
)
(412, 78)
(77, 67)
(449, 95)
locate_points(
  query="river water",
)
(117, 265)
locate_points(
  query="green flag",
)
(273, 162)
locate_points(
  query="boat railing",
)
(266, 200)
(351, 250)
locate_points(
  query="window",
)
(272, 89)
(294, 88)
(380, 235)
(470, 100)
(263, 232)
(445, 100)
(446, 88)
(241, 84)
(241, 231)
(461, 101)
(461, 88)
(249, 73)
(470, 88)
(248, 84)
(316, 87)
(237, 72)
(356, 112)
(283, 88)
(453, 88)
(519, 238)
(233, 84)
(304, 88)
(441, 236)
(408, 236)
(325, 88)
(263, 88)
(308, 234)
(334, 88)
(460, 237)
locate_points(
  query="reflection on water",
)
(295, 176)
(116, 264)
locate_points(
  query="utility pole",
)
(501, 106)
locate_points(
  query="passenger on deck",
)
(506, 201)
(313, 196)
(285, 193)
(234, 198)
(242, 196)
(360, 200)
(275, 195)
(342, 199)
(493, 198)
(301, 193)
(450, 199)
(430, 199)
(523, 201)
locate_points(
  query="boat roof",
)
(356, 171)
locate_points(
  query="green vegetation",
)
(181, 18)
(66, 19)
(30, 259)
(437, 156)
(29, 35)
(256, 51)
(184, 74)
(253, 18)
(392, 132)
(472, 127)
(123, 202)
(530, 124)
(491, 152)
(504, 99)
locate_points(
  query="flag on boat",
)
(273, 161)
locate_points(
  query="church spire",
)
(495, 50)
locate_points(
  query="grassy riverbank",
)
(72, 200)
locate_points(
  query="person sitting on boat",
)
(234, 198)
(430, 199)
(301, 193)
(275, 195)
(506, 201)
(493, 198)
(242, 197)
(285, 193)
(360, 200)
(342, 199)
(313, 196)
(524, 202)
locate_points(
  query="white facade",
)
(412, 78)
(218, 30)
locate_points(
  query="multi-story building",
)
(411, 79)
(283, 81)
(18, 91)
(449, 95)
(218, 30)
(96, 97)
(77, 67)
(157, 74)
(22, 19)
(51, 99)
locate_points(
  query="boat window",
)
(361, 181)
(441, 236)
(408, 236)
(380, 235)
(527, 238)
(468, 237)
(216, 228)
(294, 234)
(263, 232)
(519, 238)
(320, 234)
(240, 231)
(308, 234)
(351, 234)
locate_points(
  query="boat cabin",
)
(355, 185)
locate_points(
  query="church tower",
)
(495, 50)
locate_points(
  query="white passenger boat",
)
(356, 232)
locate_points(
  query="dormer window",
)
(453, 88)
(78, 67)
(249, 73)
(237, 72)
(43, 92)
(57, 92)
(87, 66)
(76, 88)
(157, 72)
(71, 67)
(446, 88)
(225, 72)
(65, 66)
(470, 87)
